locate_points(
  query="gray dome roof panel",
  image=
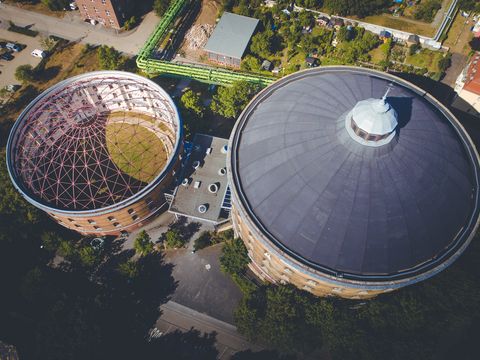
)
(336, 204)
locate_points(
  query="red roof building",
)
(467, 85)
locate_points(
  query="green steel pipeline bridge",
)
(207, 74)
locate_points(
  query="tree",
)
(160, 6)
(48, 43)
(427, 9)
(230, 101)
(250, 63)
(128, 269)
(51, 240)
(234, 258)
(130, 23)
(361, 8)
(277, 316)
(262, 43)
(88, 256)
(202, 241)
(142, 244)
(191, 101)
(24, 73)
(109, 58)
(56, 5)
(173, 239)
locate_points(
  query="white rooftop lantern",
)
(372, 122)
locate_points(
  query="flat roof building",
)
(230, 39)
(203, 192)
(351, 182)
(109, 13)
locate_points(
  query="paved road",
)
(459, 61)
(71, 27)
(7, 68)
(178, 317)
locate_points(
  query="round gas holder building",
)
(351, 182)
(97, 151)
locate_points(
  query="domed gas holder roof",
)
(372, 122)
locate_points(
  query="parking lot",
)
(7, 68)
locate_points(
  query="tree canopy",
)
(160, 6)
(56, 5)
(143, 244)
(109, 58)
(25, 73)
(361, 8)
(234, 257)
(191, 101)
(230, 101)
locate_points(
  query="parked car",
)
(14, 47)
(3, 44)
(6, 56)
(73, 6)
(39, 53)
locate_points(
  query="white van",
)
(39, 53)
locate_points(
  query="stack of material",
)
(197, 36)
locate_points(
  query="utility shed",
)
(230, 39)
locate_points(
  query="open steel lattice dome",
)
(93, 141)
(343, 208)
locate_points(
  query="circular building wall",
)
(97, 151)
(327, 199)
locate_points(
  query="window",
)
(134, 217)
(71, 220)
(104, 1)
(116, 224)
(111, 218)
(131, 211)
(93, 222)
(107, 12)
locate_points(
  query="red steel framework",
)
(58, 151)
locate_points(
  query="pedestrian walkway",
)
(178, 317)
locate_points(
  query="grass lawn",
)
(137, 151)
(377, 55)
(425, 59)
(459, 35)
(415, 27)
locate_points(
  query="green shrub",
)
(234, 259)
(173, 239)
(142, 244)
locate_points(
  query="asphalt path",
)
(71, 27)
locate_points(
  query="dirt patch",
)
(206, 20)
(197, 36)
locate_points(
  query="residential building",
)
(109, 13)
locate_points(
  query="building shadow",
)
(403, 107)
(447, 96)
(178, 345)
